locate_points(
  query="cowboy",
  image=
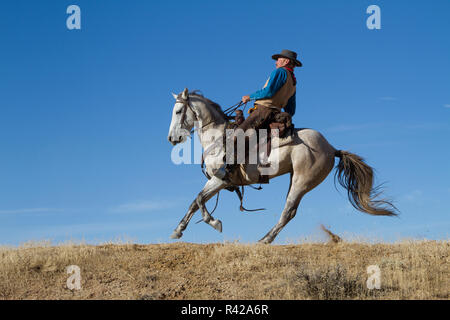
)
(277, 93)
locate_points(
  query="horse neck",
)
(210, 120)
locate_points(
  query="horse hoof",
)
(176, 235)
(264, 241)
(216, 224)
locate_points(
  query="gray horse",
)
(306, 155)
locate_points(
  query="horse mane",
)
(216, 106)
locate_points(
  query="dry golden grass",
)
(409, 270)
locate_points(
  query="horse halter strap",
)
(187, 104)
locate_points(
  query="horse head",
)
(183, 118)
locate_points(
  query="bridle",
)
(187, 104)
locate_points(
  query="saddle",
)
(281, 121)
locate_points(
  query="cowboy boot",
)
(224, 171)
(221, 173)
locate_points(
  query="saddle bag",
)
(283, 122)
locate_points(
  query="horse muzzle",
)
(175, 140)
(177, 136)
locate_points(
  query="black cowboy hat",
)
(288, 54)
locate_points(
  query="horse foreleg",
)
(211, 188)
(208, 191)
(178, 232)
(295, 194)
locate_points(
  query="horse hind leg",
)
(296, 192)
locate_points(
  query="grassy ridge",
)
(409, 270)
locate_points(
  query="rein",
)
(228, 112)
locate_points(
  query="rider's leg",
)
(255, 120)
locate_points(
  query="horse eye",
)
(178, 112)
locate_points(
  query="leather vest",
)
(282, 96)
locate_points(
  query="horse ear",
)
(184, 95)
(174, 95)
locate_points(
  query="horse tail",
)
(357, 177)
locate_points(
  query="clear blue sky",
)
(84, 114)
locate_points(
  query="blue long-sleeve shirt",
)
(277, 79)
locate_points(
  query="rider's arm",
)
(290, 107)
(276, 81)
